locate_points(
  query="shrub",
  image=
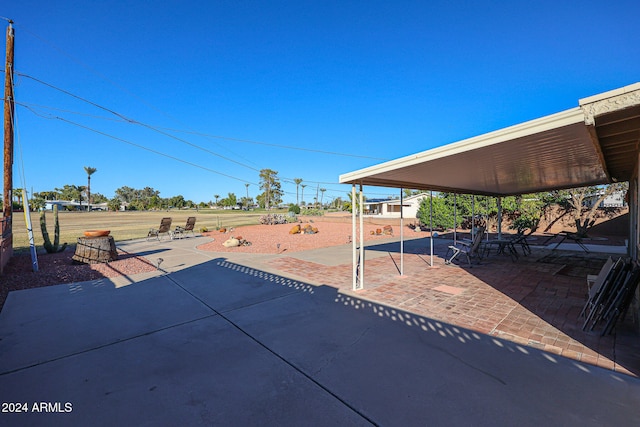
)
(312, 212)
(442, 213)
(295, 209)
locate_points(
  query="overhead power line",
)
(286, 147)
(145, 148)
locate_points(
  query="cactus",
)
(51, 248)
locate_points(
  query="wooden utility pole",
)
(7, 235)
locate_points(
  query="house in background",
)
(614, 200)
(391, 207)
(62, 204)
(72, 205)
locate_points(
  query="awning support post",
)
(431, 223)
(401, 234)
(354, 246)
(361, 212)
(455, 219)
(499, 217)
(473, 217)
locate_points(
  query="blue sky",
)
(214, 91)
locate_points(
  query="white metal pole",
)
(455, 219)
(473, 216)
(486, 221)
(27, 219)
(361, 211)
(499, 217)
(354, 237)
(401, 234)
(431, 223)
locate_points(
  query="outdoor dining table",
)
(502, 246)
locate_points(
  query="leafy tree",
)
(231, 200)
(17, 195)
(99, 198)
(270, 183)
(294, 208)
(246, 201)
(90, 171)
(348, 204)
(71, 192)
(442, 214)
(37, 202)
(575, 197)
(141, 199)
(114, 204)
(126, 194)
(177, 201)
(337, 203)
(48, 195)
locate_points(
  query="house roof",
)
(396, 200)
(594, 143)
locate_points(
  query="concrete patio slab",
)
(43, 324)
(204, 372)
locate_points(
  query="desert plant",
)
(51, 248)
(312, 212)
(271, 219)
(294, 208)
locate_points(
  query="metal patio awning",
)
(594, 143)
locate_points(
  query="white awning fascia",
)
(565, 118)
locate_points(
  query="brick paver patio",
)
(535, 301)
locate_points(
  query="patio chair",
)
(521, 239)
(165, 228)
(468, 249)
(598, 296)
(596, 281)
(179, 232)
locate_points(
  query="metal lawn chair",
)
(165, 228)
(468, 249)
(180, 231)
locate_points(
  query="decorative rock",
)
(232, 242)
(92, 250)
(295, 229)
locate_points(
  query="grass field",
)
(124, 225)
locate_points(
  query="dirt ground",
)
(271, 239)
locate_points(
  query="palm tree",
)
(303, 185)
(17, 194)
(217, 196)
(298, 181)
(247, 201)
(90, 171)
